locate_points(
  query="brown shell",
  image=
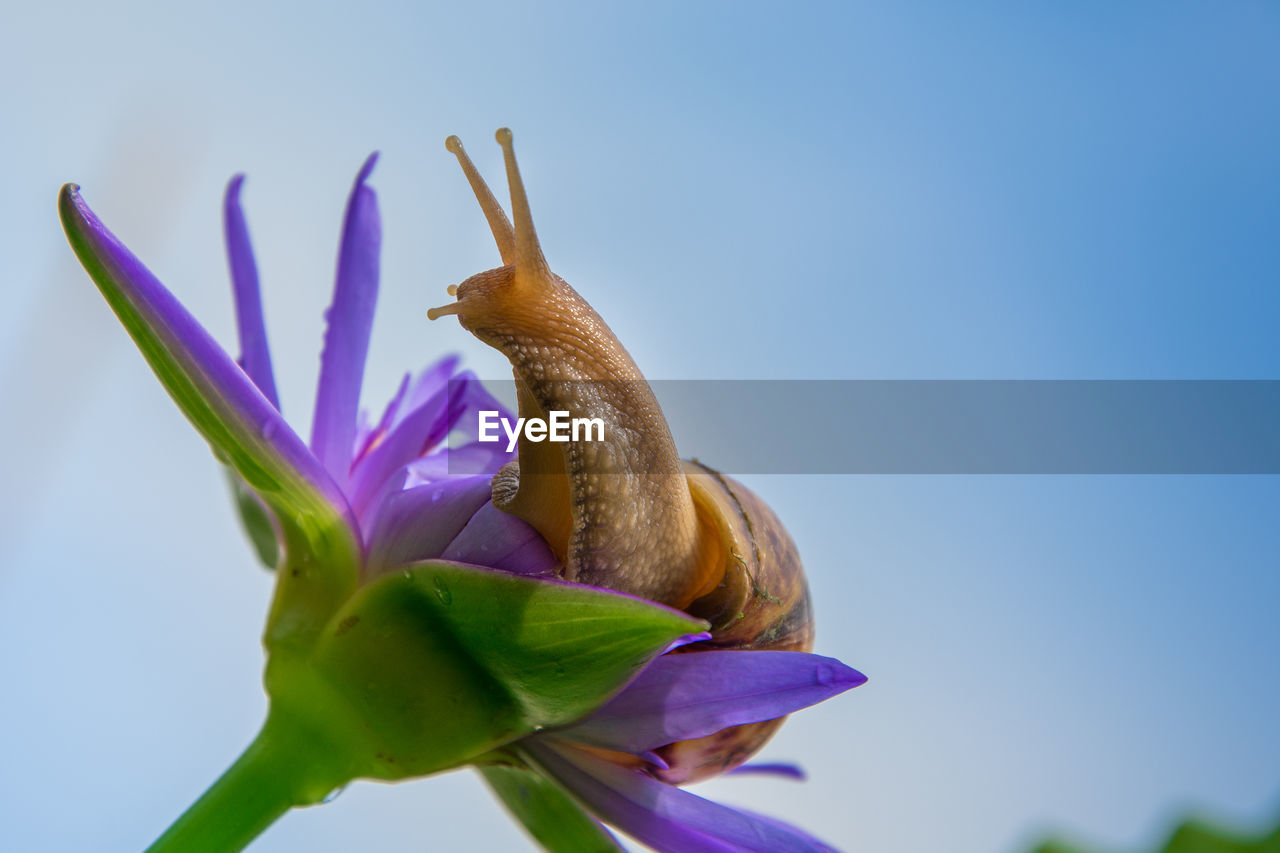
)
(762, 599)
(761, 602)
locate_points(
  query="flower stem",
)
(277, 772)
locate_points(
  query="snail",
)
(625, 513)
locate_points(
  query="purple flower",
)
(364, 499)
(393, 473)
(678, 697)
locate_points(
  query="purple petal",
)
(350, 319)
(478, 457)
(212, 391)
(366, 435)
(429, 420)
(660, 815)
(467, 454)
(407, 399)
(786, 771)
(502, 541)
(696, 694)
(783, 826)
(700, 637)
(425, 426)
(468, 396)
(419, 523)
(255, 355)
(430, 381)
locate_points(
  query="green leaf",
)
(548, 813)
(426, 668)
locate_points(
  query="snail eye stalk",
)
(503, 234)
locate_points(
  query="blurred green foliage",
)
(1193, 836)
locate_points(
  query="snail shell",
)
(624, 512)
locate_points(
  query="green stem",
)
(277, 772)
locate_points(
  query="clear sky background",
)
(950, 191)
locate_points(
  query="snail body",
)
(625, 512)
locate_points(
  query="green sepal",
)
(548, 813)
(428, 667)
(256, 520)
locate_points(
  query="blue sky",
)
(744, 191)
